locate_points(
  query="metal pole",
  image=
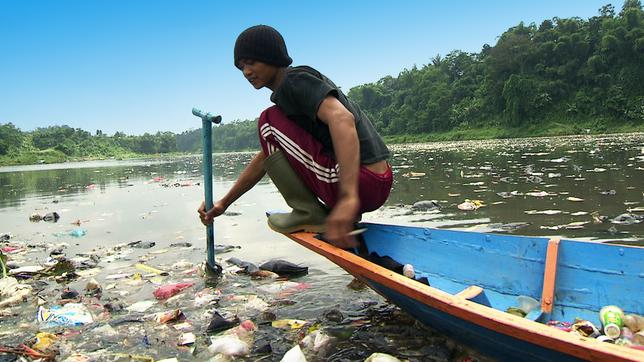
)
(207, 120)
(206, 136)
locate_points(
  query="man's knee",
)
(267, 121)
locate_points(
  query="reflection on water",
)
(17, 183)
(549, 186)
(559, 186)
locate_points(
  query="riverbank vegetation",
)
(560, 77)
(570, 74)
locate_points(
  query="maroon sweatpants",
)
(318, 170)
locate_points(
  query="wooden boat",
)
(475, 277)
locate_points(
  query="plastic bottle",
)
(527, 304)
(627, 333)
(408, 271)
(611, 318)
(638, 338)
(634, 322)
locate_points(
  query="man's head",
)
(263, 43)
(259, 52)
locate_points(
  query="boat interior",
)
(547, 279)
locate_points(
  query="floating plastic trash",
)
(170, 316)
(414, 174)
(284, 268)
(288, 323)
(27, 269)
(187, 339)
(148, 269)
(315, 341)
(538, 194)
(627, 219)
(141, 306)
(543, 212)
(219, 323)
(77, 233)
(69, 315)
(381, 357)
(12, 292)
(294, 354)
(44, 341)
(470, 205)
(140, 244)
(247, 267)
(426, 205)
(167, 291)
(228, 345)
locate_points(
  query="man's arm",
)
(347, 152)
(247, 179)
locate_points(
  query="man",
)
(321, 151)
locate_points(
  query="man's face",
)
(257, 73)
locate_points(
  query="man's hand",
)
(340, 221)
(207, 216)
(251, 175)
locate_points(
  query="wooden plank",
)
(475, 294)
(550, 276)
(470, 292)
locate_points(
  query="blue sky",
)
(140, 66)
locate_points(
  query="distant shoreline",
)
(551, 129)
(481, 134)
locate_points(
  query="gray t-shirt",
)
(300, 95)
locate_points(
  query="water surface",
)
(571, 187)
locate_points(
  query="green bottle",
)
(612, 320)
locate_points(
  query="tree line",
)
(60, 143)
(75, 142)
(569, 70)
(565, 70)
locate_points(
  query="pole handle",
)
(206, 116)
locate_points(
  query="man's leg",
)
(303, 152)
(317, 170)
(374, 188)
(308, 213)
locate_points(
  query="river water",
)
(573, 187)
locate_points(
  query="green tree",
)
(10, 138)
